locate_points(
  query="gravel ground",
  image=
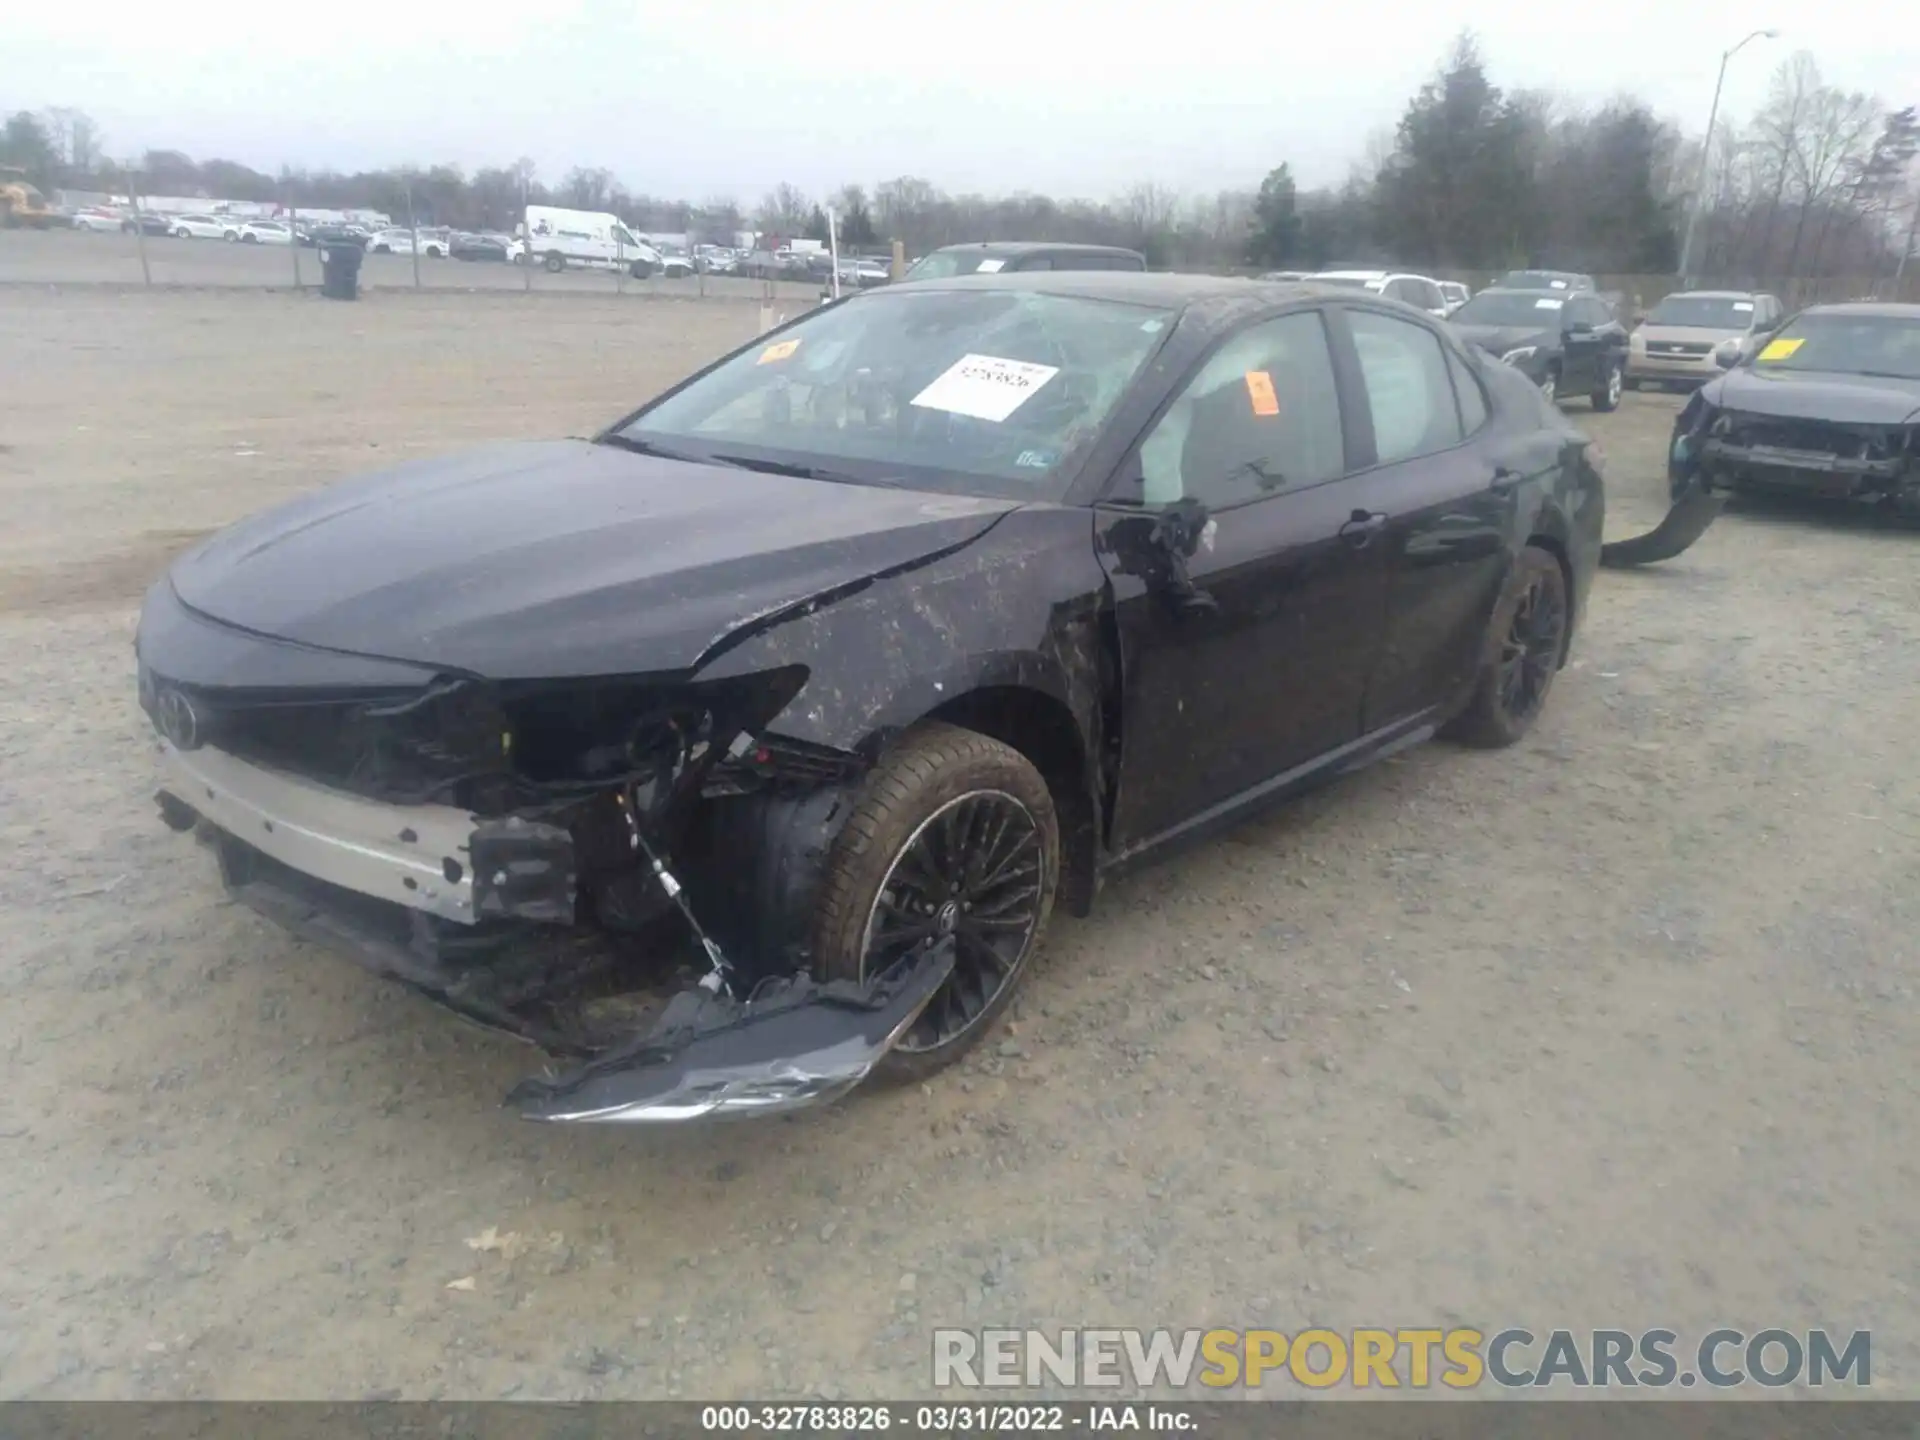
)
(1613, 1029)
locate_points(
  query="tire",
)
(1533, 615)
(248, 239)
(231, 236)
(937, 788)
(1550, 387)
(555, 262)
(1607, 397)
(383, 249)
(183, 234)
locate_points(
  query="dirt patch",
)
(1616, 1028)
(117, 579)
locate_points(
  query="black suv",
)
(1566, 342)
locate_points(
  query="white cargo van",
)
(558, 238)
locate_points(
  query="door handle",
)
(1361, 527)
(1505, 478)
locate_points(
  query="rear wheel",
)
(1526, 641)
(954, 835)
(1550, 387)
(556, 262)
(1607, 396)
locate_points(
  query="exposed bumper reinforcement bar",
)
(791, 1046)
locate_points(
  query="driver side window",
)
(1262, 415)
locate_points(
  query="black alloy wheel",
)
(1526, 642)
(1531, 652)
(973, 871)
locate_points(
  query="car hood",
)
(559, 559)
(1687, 334)
(1499, 339)
(1817, 395)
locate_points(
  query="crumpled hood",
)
(1817, 395)
(559, 558)
(1499, 339)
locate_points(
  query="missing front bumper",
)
(334, 868)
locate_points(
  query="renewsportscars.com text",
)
(1417, 1359)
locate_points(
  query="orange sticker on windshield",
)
(777, 352)
(1260, 392)
(1780, 349)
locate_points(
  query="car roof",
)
(1712, 294)
(1210, 301)
(1356, 274)
(1871, 309)
(1534, 293)
(1029, 247)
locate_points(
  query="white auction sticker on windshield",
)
(985, 387)
(1741, 307)
(1548, 304)
(988, 267)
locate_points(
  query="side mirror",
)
(1727, 354)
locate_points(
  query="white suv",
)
(1415, 290)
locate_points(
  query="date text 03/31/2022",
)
(945, 1419)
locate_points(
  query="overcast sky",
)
(696, 99)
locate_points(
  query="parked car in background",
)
(329, 233)
(150, 222)
(1415, 290)
(835, 666)
(398, 240)
(266, 232)
(484, 245)
(675, 264)
(1454, 293)
(988, 257)
(1544, 280)
(1287, 275)
(204, 227)
(1827, 405)
(716, 259)
(98, 219)
(1675, 342)
(1566, 342)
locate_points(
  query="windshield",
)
(1847, 345)
(1703, 312)
(977, 392)
(1507, 308)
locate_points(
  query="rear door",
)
(1583, 345)
(1431, 465)
(1248, 659)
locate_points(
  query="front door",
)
(1249, 581)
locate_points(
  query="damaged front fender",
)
(794, 1043)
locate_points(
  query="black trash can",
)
(340, 271)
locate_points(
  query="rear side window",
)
(1404, 368)
(1032, 262)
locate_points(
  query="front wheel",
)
(556, 262)
(1607, 397)
(1526, 643)
(1550, 387)
(954, 836)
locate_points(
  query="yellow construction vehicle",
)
(20, 203)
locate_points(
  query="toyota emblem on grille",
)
(178, 720)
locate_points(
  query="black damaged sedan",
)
(1827, 406)
(744, 750)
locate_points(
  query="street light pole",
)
(1706, 155)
